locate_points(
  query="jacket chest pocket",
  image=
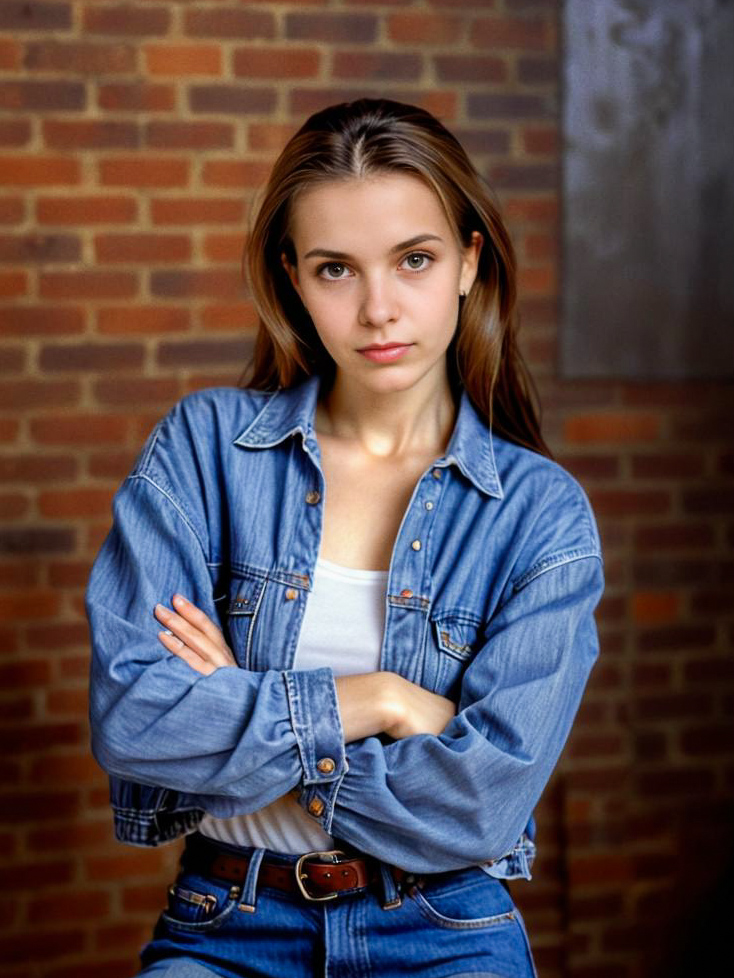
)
(453, 641)
(244, 600)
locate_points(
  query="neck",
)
(393, 424)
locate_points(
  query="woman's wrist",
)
(369, 703)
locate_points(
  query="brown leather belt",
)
(317, 876)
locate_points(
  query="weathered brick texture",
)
(133, 139)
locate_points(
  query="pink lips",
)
(385, 354)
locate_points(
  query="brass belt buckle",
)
(301, 876)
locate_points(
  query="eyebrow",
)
(343, 256)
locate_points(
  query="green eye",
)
(417, 261)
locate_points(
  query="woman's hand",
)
(384, 702)
(193, 636)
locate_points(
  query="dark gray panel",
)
(648, 257)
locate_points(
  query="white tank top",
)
(342, 627)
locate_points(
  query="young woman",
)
(344, 617)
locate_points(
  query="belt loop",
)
(249, 888)
(390, 893)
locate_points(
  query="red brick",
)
(714, 669)
(144, 172)
(198, 353)
(66, 574)
(73, 836)
(112, 465)
(677, 637)
(29, 604)
(10, 55)
(630, 503)
(9, 428)
(127, 865)
(16, 395)
(190, 135)
(30, 15)
(31, 248)
(672, 706)
(708, 740)
(223, 247)
(145, 319)
(67, 702)
(205, 210)
(136, 391)
(80, 429)
(591, 466)
(86, 210)
(61, 770)
(12, 210)
(668, 466)
(90, 134)
(13, 505)
(377, 65)
(38, 171)
(531, 209)
(75, 502)
(538, 70)
(276, 63)
(80, 905)
(709, 501)
(680, 781)
(39, 96)
(146, 248)
(212, 284)
(600, 869)
(540, 142)
(13, 284)
(482, 141)
(656, 606)
(15, 132)
(235, 173)
(81, 57)
(229, 23)
(651, 746)
(183, 59)
(231, 99)
(88, 285)
(40, 945)
(471, 68)
(13, 574)
(674, 536)
(269, 136)
(124, 19)
(515, 33)
(508, 105)
(141, 96)
(61, 635)
(30, 320)
(540, 247)
(12, 359)
(420, 28)
(237, 316)
(36, 540)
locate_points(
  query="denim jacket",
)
(494, 577)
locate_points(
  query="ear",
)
(470, 261)
(292, 272)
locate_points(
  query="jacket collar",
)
(289, 412)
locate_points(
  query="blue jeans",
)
(457, 924)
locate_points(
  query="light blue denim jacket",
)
(493, 581)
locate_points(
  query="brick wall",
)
(132, 139)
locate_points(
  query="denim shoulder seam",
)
(167, 494)
(550, 562)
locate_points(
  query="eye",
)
(417, 261)
(332, 271)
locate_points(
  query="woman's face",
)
(380, 271)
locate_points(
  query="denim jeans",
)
(457, 924)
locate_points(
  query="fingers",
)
(198, 634)
(180, 649)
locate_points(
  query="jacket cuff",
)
(317, 726)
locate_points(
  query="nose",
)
(378, 303)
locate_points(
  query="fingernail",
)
(179, 599)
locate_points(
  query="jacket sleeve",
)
(435, 803)
(238, 734)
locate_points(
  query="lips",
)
(385, 352)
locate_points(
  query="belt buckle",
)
(301, 876)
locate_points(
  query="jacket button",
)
(406, 593)
(291, 594)
(436, 473)
(315, 807)
(313, 497)
(416, 545)
(325, 765)
(429, 505)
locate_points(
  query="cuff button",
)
(315, 807)
(325, 765)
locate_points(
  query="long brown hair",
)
(363, 138)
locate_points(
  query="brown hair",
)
(362, 138)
